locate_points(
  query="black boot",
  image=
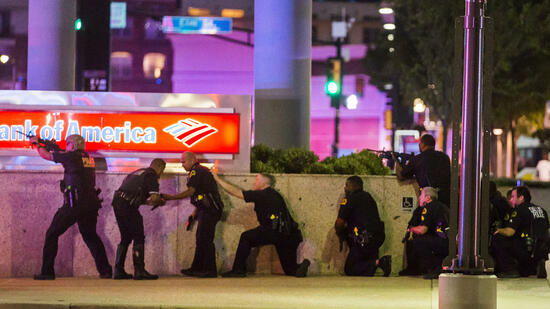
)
(139, 264)
(120, 273)
(385, 264)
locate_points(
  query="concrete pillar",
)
(282, 72)
(459, 291)
(51, 52)
(499, 161)
(509, 154)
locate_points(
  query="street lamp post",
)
(468, 287)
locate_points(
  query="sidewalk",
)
(253, 292)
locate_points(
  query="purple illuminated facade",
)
(208, 64)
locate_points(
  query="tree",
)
(422, 60)
(422, 55)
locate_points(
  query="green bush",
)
(296, 160)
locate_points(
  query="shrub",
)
(263, 159)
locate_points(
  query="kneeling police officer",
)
(359, 224)
(276, 227)
(426, 241)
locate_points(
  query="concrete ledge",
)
(30, 200)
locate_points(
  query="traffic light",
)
(333, 87)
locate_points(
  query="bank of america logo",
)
(190, 131)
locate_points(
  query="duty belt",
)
(132, 199)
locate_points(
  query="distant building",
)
(144, 59)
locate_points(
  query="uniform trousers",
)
(130, 223)
(510, 254)
(425, 253)
(285, 245)
(205, 251)
(361, 261)
(86, 219)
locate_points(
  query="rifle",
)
(388, 154)
(50, 145)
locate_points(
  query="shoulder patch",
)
(192, 173)
(88, 162)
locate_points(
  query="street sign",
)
(196, 25)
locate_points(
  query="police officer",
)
(81, 205)
(430, 168)
(426, 240)
(137, 188)
(500, 208)
(359, 225)
(539, 243)
(510, 246)
(204, 194)
(276, 227)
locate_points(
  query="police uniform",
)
(431, 168)
(276, 227)
(133, 192)
(365, 232)
(539, 244)
(510, 253)
(209, 210)
(426, 252)
(499, 209)
(81, 205)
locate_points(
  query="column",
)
(51, 47)
(282, 72)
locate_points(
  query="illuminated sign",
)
(125, 131)
(196, 25)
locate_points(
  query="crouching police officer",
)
(81, 206)
(426, 240)
(276, 227)
(359, 224)
(513, 243)
(205, 196)
(135, 190)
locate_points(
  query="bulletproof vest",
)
(133, 186)
(80, 171)
(538, 222)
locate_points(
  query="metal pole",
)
(467, 260)
(468, 288)
(338, 102)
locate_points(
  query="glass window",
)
(153, 63)
(121, 65)
(126, 32)
(153, 29)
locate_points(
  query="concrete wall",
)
(30, 199)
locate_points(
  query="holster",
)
(362, 238)
(207, 201)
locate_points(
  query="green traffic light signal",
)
(332, 88)
(78, 24)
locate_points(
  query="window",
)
(125, 32)
(121, 65)
(314, 34)
(153, 63)
(153, 29)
